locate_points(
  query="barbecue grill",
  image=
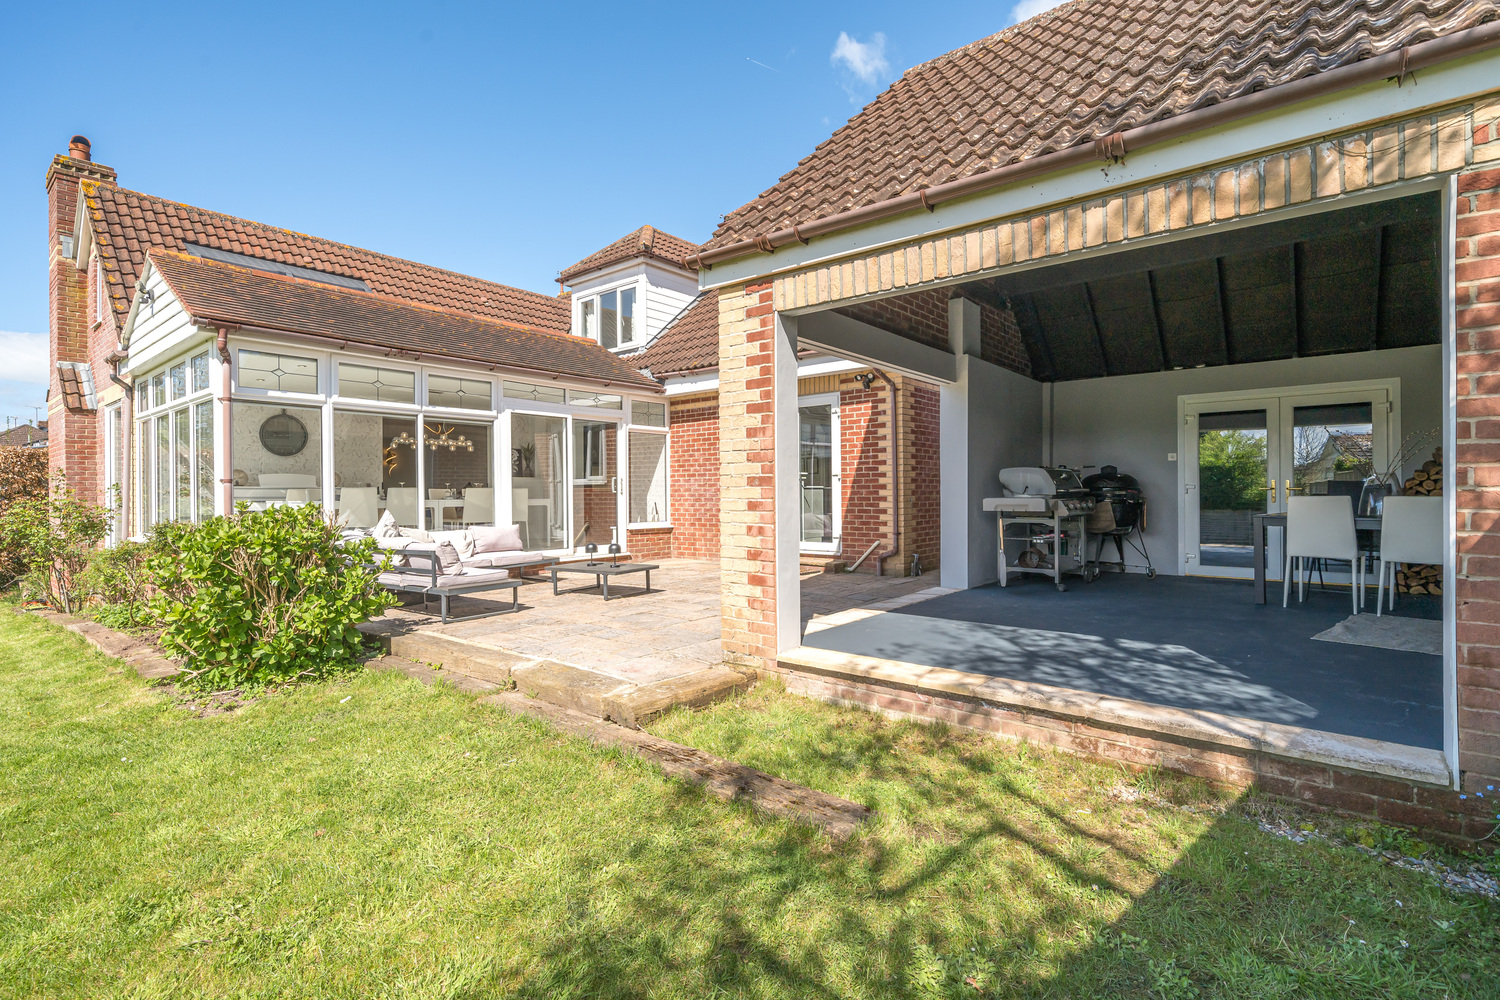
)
(1042, 524)
(1120, 513)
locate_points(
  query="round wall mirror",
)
(283, 434)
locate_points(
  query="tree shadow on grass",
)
(1238, 913)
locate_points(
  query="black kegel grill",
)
(1119, 513)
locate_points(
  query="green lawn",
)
(372, 837)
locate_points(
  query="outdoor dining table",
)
(1264, 521)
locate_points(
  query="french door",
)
(565, 480)
(1243, 454)
(818, 468)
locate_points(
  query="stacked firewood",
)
(1425, 482)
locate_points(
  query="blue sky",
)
(501, 140)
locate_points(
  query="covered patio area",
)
(1183, 642)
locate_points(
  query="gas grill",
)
(1042, 519)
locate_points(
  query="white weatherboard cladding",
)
(160, 330)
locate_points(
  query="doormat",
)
(1413, 635)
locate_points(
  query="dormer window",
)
(609, 317)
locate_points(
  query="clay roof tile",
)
(1075, 73)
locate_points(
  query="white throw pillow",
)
(386, 527)
(415, 534)
(499, 538)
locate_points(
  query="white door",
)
(818, 467)
(1231, 461)
(1244, 454)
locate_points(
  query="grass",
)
(371, 837)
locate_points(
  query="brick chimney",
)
(73, 430)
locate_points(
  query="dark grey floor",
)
(1179, 641)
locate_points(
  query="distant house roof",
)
(1080, 72)
(688, 343)
(215, 291)
(647, 241)
(127, 224)
(23, 436)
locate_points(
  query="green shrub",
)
(118, 584)
(23, 475)
(257, 599)
(53, 535)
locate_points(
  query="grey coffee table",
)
(601, 572)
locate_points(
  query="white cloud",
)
(23, 356)
(23, 376)
(865, 60)
(1031, 8)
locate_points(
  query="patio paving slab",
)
(629, 657)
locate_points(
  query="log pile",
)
(1425, 482)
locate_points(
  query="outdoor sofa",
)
(442, 564)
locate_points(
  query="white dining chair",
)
(359, 507)
(438, 494)
(1321, 528)
(1411, 531)
(479, 505)
(401, 501)
(301, 496)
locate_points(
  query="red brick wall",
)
(922, 469)
(921, 316)
(1438, 810)
(1477, 476)
(74, 433)
(1000, 340)
(693, 478)
(864, 464)
(648, 544)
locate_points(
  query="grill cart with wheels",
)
(1042, 525)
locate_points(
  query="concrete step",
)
(566, 685)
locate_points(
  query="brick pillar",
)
(760, 597)
(1476, 475)
(75, 436)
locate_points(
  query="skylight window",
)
(276, 267)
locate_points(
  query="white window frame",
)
(325, 373)
(664, 432)
(638, 314)
(834, 402)
(177, 408)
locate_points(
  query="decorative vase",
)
(1372, 496)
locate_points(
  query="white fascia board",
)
(147, 270)
(682, 385)
(1334, 114)
(827, 365)
(621, 273)
(83, 234)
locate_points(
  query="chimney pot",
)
(78, 147)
